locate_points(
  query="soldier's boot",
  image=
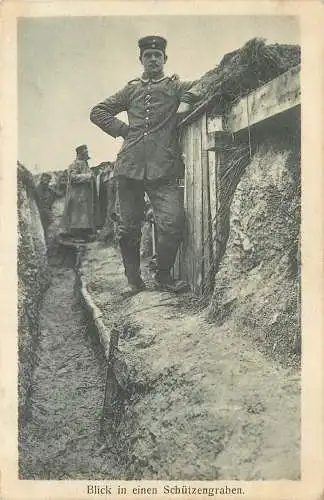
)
(107, 232)
(167, 251)
(131, 260)
(164, 281)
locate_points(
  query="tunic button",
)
(145, 133)
(146, 118)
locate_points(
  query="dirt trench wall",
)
(258, 279)
(32, 279)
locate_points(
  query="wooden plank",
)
(111, 388)
(210, 141)
(180, 251)
(189, 186)
(197, 112)
(213, 198)
(197, 234)
(218, 165)
(215, 124)
(183, 250)
(222, 137)
(153, 230)
(176, 271)
(188, 150)
(191, 210)
(274, 97)
(206, 245)
(176, 267)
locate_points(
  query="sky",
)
(66, 65)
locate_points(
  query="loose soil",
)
(205, 403)
(61, 438)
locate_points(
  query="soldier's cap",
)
(82, 149)
(152, 42)
(45, 175)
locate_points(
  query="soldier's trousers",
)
(167, 203)
(108, 226)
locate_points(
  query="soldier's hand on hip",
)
(183, 108)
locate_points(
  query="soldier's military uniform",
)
(108, 183)
(46, 197)
(78, 216)
(149, 161)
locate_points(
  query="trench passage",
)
(61, 438)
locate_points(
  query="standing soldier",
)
(149, 161)
(78, 217)
(46, 197)
(107, 232)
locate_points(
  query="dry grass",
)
(245, 69)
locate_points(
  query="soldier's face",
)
(46, 179)
(83, 155)
(153, 61)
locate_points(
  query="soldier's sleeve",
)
(73, 173)
(190, 92)
(104, 114)
(78, 176)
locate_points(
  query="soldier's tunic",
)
(46, 197)
(151, 148)
(79, 202)
(149, 161)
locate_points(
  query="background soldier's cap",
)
(82, 149)
(152, 42)
(45, 175)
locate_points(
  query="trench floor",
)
(229, 412)
(61, 438)
(208, 404)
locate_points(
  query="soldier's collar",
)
(146, 80)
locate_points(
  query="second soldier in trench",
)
(150, 161)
